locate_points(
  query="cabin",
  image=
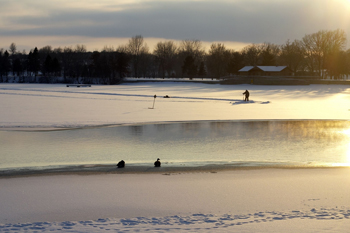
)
(266, 71)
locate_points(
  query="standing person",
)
(157, 163)
(246, 93)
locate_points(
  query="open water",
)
(304, 143)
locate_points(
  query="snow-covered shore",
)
(263, 200)
(267, 200)
(55, 105)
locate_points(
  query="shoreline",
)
(267, 195)
(89, 170)
(36, 128)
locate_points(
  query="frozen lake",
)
(238, 143)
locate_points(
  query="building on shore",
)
(266, 71)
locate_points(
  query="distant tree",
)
(202, 72)
(165, 53)
(121, 65)
(193, 49)
(217, 60)
(137, 49)
(13, 48)
(17, 67)
(46, 50)
(105, 68)
(34, 61)
(6, 65)
(189, 67)
(293, 55)
(1, 67)
(80, 48)
(235, 62)
(337, 64)
(108, 49)
(56, 67)
(269, 54)
(251, 55)
(122, 49)
(146, 65)
(47, 66)
(79, 59)
(67, 58)
(109, 67)
(320, 45)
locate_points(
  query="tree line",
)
(318, 54)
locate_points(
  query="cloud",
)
(244, 21)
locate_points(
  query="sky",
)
(99, 23)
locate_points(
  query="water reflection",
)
(136, 130)
(233, 142)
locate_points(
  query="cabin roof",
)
(263, 68)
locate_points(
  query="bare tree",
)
(80, 48)
(251, 54)
(122, 49)
(108, 49)
(320, 45)
(165, 53)
(46, 50)
(293, 55)
(217, 60)
(13, 48)
(190, 49)
(138, 50)
(269, 54)
(193, 48)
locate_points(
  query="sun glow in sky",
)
(237, 23)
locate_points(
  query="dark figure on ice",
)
(157, 163)
(121, 164)
(246, 95)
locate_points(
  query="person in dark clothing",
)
(121, 164)
(246, 94)
(157, 163)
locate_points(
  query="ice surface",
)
(46, 105)
(242, 201)
(224, 201)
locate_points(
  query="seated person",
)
(121, 164)
(157, 163)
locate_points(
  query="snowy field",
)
(34, 105)
(262, 200)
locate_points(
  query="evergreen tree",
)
(17, 67)
(6, 65)
(34, 62)
(47, 66)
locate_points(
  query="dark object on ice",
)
(154, 100)
(166, 96)
(121, 164)
(157, 163)
(246, 93)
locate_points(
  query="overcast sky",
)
(97, 23)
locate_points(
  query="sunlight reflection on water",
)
(243, 143)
